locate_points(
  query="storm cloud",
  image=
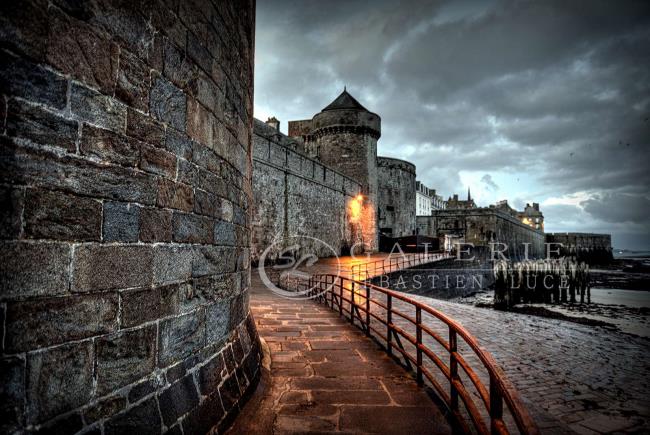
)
(549, 100)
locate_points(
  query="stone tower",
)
(344, 136)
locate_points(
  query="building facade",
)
(423, 199)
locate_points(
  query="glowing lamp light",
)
(355, 206)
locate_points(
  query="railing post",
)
(352, 302)
(418, 336)
(496, 404)
(453, 369)
(389, 322)
(340, 295)
(367, 310)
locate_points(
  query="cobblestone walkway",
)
(326, 376)
(588, 379)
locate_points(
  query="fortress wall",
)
(295, 195)
(125, 169)
(396, 196)
(482, 225)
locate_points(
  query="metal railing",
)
(390, 264)
(382, 314)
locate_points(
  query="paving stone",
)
(121, 222)
(70, 368)
(124, 357)
(168, 104)
(28, 121)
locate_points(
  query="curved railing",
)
(376, 310)
(394, 263)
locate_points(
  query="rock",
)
(175, 195)
(70, 368)
(109, 146)
(97, 109)
(133, 82)
(155, 225)
(40, 126)
(217, 322)
(143, 419)
(37, 323)
(158, 161)
(28, 269)
(124, 357)
(190, 228)
(98, 267)
(178, 399)
(121, 222)
(168, 104)
(144, 128)
(181, 336)
(55, 215)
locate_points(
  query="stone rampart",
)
(295, 195)
(125, 186)
(396, 196)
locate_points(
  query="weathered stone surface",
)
(12, 393)
(70, 368)
(25, 79)
(140, 306)
(37, 323)
(98, 109)
(224, 233)
(217, 324)
(158, 161)
(144, 128)
(121, 222)
(155, 225)
(104, 408)
(200, 122)
(217, 287)
(29, 269)
(143, 389)
(74, 48)
(109, 146)
(213, 260)
(202, 418)
(206, 158)
(53, 215)
(178, 399)
(178, 68)
(181, 336)
(11, 204)
(206, 204)
(124, 357)
(168, 104)
(190, 228)
(175, 195)
(143, 419)
(24, 29)
(238, 311)
(172, 264)
(40, 126)
(133, 81)
(71, 423)
(97, 267)
(229, 392)
(179, 144)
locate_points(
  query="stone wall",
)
(396, 196)
(125, 187)
(589, 247)
(482, 226)
(295, 195)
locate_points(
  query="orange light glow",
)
(355, 208)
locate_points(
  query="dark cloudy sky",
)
(527, 101)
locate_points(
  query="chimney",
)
(536, 206)
(273, 122)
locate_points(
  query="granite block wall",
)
(396, 198)
(295, 195)
(125, 171)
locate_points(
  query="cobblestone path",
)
(326, 376)
(573, 378)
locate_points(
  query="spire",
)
(345, 101)
(469, 197)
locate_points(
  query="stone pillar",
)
(125, 170)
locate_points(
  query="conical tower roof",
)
(345, 101)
